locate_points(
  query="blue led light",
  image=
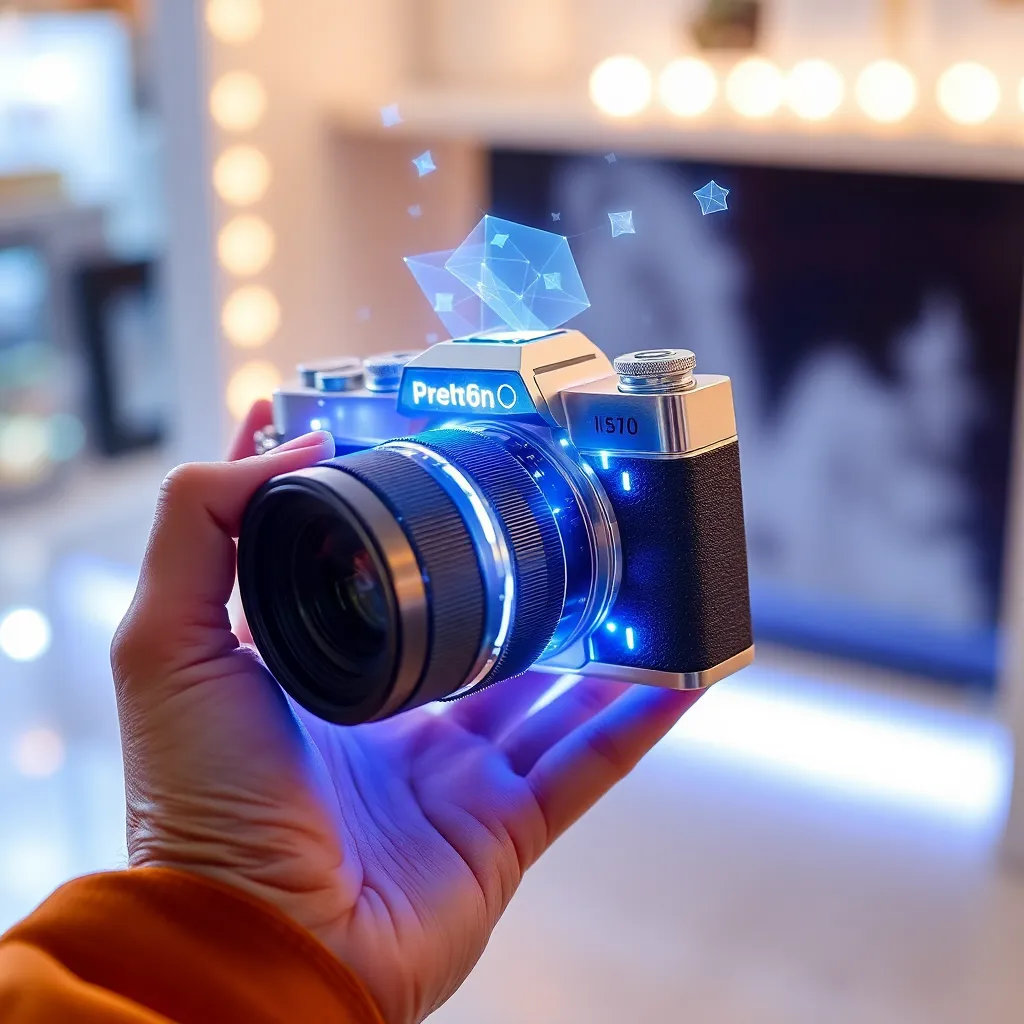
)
(626, 485)
(563, 442)
(630, 638)
(610, 626)
(604, 460)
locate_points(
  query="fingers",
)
(260, 415)
(535, 736)
(494, 711)
(578, 770)
(189, 566)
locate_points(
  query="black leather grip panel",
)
(684, 590)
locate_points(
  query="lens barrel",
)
(401, 575)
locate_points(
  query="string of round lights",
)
(885, 91)
(242, 174)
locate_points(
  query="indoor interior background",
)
(194, 196)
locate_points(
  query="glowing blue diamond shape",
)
(712, 198)
(511, 283)
(424, 163)
(468, 314)
(390, 116)
(556, 216)
(622, 223)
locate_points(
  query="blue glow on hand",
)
(626, 485)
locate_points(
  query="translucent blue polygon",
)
(712, 198)
(468, 315)
(424, 163)
(505, 276)
(416, 210)
(611, 158)
(390, 116)
(556, 216)
(622, 223)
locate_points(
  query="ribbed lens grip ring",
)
(533, 538)
(437, 532)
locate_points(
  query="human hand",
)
(398, 844)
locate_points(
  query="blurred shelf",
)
(848, 143)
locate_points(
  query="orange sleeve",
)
(152, 946)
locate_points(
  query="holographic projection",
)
(712, 198)
(504, 276)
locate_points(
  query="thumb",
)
(189, 567)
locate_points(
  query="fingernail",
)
(316, 439)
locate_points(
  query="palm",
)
(437, 830)
(398, 844)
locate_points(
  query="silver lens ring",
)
(597, 514)
(494, 557)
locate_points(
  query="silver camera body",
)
(645, 452)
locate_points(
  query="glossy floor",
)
(810, 845)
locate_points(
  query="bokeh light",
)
(886, 91)
(245, 245)
(24, 447)
(688, 87)
(237, 101)
(754, 88)
(38, 753)
(249, 383)
(814, 90)
(234, 21)
(621, 86)
(241, 175)
(67, 437)
(24, 634)
(968, 93)
(251, 316)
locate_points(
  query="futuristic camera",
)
(500, 501)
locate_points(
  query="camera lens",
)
(320, 599)
(336, 587)
(403, 574)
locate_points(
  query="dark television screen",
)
(871, 325)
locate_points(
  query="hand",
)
(398, 844)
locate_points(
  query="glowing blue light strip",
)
(854, 744)
(626, 485)
(604, 460)
(630, 638)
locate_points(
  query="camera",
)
(498, 503)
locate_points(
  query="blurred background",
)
(197, 194)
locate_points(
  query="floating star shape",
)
(390, 116)
(424, 163)
(712, 198)
(622, 223)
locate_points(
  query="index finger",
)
(578, 770)
(259, 416)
